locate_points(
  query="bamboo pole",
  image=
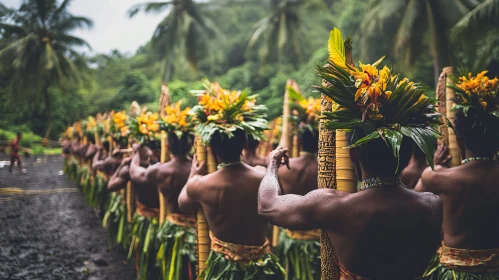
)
(203, 231)
(442, 107)
(164, 158)
(130, 195)
(295, 152)
(454, 150)
(346, 179)
(284, 142)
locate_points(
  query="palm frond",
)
(405, 29)
(150, 7)
(70, 23)
(486, 13)
(73, 41)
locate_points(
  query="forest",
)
(46, 82)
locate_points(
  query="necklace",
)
(303, 154)
(223, 164)
(471, 159)
(378, 182)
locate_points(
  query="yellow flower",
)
(214, 117)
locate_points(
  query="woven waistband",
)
(304, 234)
(467, 260)
(146, 211)
(181, 219)
(237, 252)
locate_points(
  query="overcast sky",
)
(112, 27)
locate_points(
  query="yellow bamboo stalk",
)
(442, 107)
(284, 142)
(164, 158)
(295, 152)
(454, 150)
(346, 179)
(97, 139)
(203, 231)
(130, 195)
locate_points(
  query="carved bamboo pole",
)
(295, 152)
(454, 150)
(442, 109)
(346, 179)
(203, 231)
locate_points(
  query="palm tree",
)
(40, 52)
(279, 29)
(419, 24)
(185, 29)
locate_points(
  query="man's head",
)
(377, 159)
(179, 146)
(478, 134)
(309, 140)
(105, 145)
(19, 135)
(228, 149)
(252, 143)
(145, 155)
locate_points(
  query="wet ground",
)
(53, 236)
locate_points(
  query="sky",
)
(112, 28)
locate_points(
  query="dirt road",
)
(53, 236)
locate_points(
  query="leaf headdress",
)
(224, 111)
(176, 120)
(375, 103)
(305, 111)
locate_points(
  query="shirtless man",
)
(14, 154)
(250, 155)
(169, 178)
(229, 200)
(469, 194)
(300, 179)
(383, 232)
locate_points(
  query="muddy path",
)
(53, 236)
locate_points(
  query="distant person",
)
(250, 155)
(14, 154)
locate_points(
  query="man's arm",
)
(188, 200)
(139, 174)
(120, 178)
(441, 160)
(317, 209)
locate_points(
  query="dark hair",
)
(480, 133)
(106, 145)
(377, 157)
(179, 146)
(91, 138)
(229, 149)
(252, 143)
(310, 140)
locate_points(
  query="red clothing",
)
(14, 148)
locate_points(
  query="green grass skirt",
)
(115, 220)
(300, 258)
(177, 252)
(265, 268)
(145, 247)
(436, 271)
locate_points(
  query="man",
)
(250, 155)
(239, 248)
(469, 194)
(412, 173)
(178, 234)
(146, 217)
(14, 154)
(376, 224)
(301, 249)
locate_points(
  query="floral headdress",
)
(224, 111)
(375, 103)
(176, 120)
(306, 111)
(69, 133)
(119, 128)
(145, 127)
(477, 95)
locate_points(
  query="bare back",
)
(230, 200)
(301, 178)
(147, 193)
(470, 194)
(172, 176)
(389, 233)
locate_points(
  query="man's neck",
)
(471, 154)
(179, 157)
(250, 153)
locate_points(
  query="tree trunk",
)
(48, 110)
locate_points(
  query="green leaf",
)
(365, 139)
(393, 138)
(336, 47)
(294, 95)
(422, 137)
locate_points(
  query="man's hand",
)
(442, 156)
(136, 147)
(126, 161)
(279, 156)
(198, 168)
